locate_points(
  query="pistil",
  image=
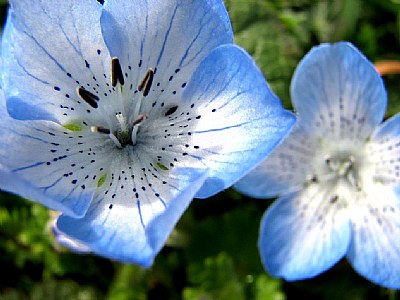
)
(126, 130)
(344, 168)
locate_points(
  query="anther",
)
(139, 119)
(116, 72)
(146, 83)
(99, 129)
(354, 181)
(328, 160)
(334, 199)
(88, 97)
(135, 128)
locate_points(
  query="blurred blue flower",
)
(336, 174)
(119, 114)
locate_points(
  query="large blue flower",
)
(118, 115)
(336, 174)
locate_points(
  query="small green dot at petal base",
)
(101, 180)
(162, 167)
(73, 127)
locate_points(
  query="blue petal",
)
(389, 130)
(285, 170)
(16, 184)
(53, 179)
(240, 120)
(160, 34)
(48, 51)
(375, 246)
(160, 227)
(384, 151)
(67, 241)
(302, 235)
(45, 162)
(19, 109)
(338, 93)
(170, 37)
(132, 229)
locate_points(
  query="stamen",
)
(314, 179)
(88, 97)
(332, 164)
(333, 199)
(135, 128)
(146, 83)
(115, 140)
(345, 168)
(139, 119)
(100, 129)
(328, 161)
(354, 181)
(116, 72)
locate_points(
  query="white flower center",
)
(126, 134)
(122, 130)
(343, 168)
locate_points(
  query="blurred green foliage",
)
(212, 254)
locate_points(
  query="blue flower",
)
(119, 114)
(336, 174)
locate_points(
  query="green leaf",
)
(215, 279)
(267, 288)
